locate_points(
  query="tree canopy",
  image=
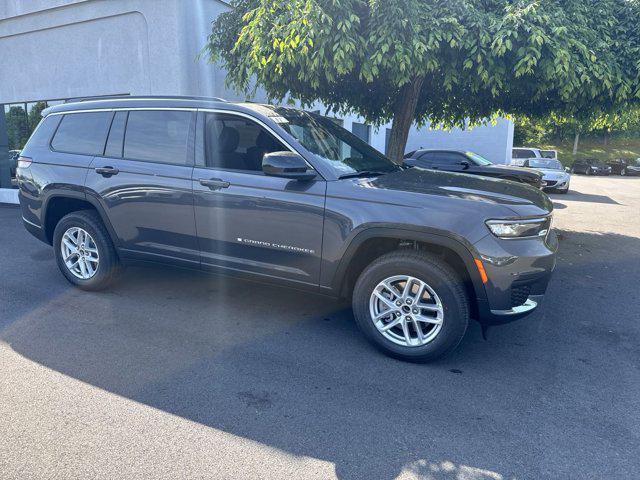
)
(446, 61)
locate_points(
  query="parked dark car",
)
(632, 167)
(624, 166)
(590, 166)
(471, 163)
(281, 195)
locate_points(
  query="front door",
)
(143, 181)
(248, 222)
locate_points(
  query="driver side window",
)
(237, 143)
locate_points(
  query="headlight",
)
(533, 227)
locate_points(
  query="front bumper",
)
(556, 183)
(518, 273)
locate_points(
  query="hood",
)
(552, 173)
(522, 199)
(515, 169)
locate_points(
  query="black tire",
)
(444, 281)
(109, 264)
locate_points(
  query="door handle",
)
(214, 183)
(107, 171)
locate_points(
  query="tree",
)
(622, 122)
(447, 61)
(35, 115)
(17, 127)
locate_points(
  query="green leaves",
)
(476, 58)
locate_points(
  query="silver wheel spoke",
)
(430, 307)
(431, 320)
(391, 324)
(405, 330)
(392, 289)
(418, 330)
(383, 314)
(407, 287)
(385, 300)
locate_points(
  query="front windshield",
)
(345, 153)
(478, 159)
(550, 164)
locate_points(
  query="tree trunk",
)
(576, 139)
(403, 115)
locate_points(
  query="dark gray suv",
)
(286, 196)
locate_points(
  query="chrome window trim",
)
(194, 109)
(121, 109)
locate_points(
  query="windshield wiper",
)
(362, 173)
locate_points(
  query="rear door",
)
(249, 222)
(143, 181)
(447, 161)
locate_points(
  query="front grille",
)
(519, 294)
(551, 183)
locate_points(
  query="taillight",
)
(24, 162)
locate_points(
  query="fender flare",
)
(458, 246)
(78, 195)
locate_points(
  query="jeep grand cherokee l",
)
(285, 196)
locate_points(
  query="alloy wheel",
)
(406, 311)
(80, 253)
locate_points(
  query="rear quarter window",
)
(82, 133)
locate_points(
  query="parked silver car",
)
(554, 176)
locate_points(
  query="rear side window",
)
(157, 136)
(82, 133)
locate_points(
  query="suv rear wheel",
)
(84, 251)
(411, 305)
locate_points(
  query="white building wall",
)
(56, 49)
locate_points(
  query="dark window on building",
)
(116, 135)
(82, 133)
(237, 143)
(362, 131)
(157, 136)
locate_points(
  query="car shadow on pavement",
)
(576, 196)
(291, 371)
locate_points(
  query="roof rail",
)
(142, 97)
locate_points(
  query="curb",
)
(9, 195)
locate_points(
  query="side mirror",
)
(286, 165)
(567, 169)
(464, 164)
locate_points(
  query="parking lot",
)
(173, 373)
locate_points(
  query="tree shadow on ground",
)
(290, 370)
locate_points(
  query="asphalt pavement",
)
(174, 374)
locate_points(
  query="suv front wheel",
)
(411, 305)
(84, 251)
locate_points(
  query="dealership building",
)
(55, 50)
